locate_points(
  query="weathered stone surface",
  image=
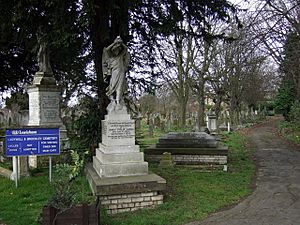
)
(118, 149)
(166, 160)
(212, 123)
(118, 155)
(118, 132)
(44, 106)
(120, 169)
(187, 140)
(112, 158)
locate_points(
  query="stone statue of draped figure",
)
(43, 57)
(115, 61)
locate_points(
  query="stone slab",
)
(153, 150)
(123, 185)
(120, 169)
(128, 157)
(187, 140)
(192, 159)
(119, 148)
(186, 144)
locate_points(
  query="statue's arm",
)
(108, 48)
(126, 57)
(105, 63)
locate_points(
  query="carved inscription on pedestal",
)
(120, 130)
(34, 109)
(50, 106)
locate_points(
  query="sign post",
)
(17, 170)
(33, 141)
(50, 169)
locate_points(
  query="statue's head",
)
(118, 46)
(118, 40)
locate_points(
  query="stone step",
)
(120, 169)
(120, 185)
(118, 148)
(127, 157)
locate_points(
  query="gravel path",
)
(276, 199)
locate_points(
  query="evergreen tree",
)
(289, 91)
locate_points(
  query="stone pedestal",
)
(212, 123)
(118, 155)
(119, 173)
(44, 106)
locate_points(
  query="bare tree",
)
(148, 105)
(177, 55)
(236, 70)
(273, 23)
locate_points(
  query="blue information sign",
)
(32, 141)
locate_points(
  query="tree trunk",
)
(148, 118)
(201, 114)
(183, 104)
(234, 111)
(201, 108)
(119, 20)
(100, 38)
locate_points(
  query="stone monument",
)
(44, 98)
(119, 173)
(212, 122)
(189, 148)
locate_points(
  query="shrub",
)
(285, 99)
(295, 114)
(64, 175)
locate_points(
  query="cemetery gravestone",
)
(166, 160)
(119, 174)
(44, 100)
(189, 148)
(212, 122)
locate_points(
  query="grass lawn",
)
(191, 193)
(23, 205)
